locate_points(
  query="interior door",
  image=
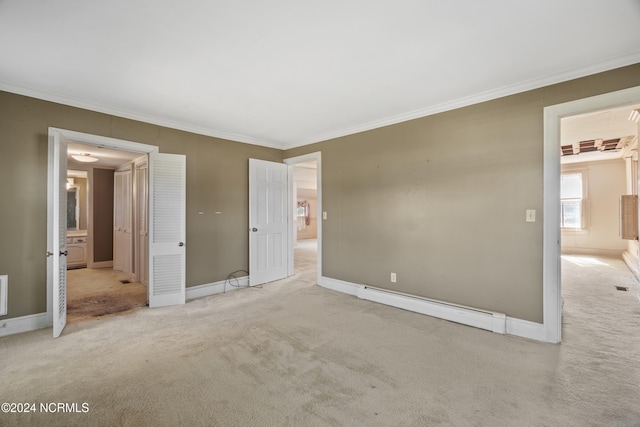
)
(122, 222)
(142, 218)
(268, 215)
(57, 230)
(167, 190)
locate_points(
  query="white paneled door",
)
(122, 221)
(57, 235)
(167, 190)
(268, 219)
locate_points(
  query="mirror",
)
(77, 208)
(73, 208)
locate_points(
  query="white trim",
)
(489, 321)
(207, 289)
(551, 250)
(28, 323)
(4, 284)
(547, 80)
(83, 138)
(339, 285)
(543, 81)
(495, 322)
(102, 264)
(311, 157)
(632, 263)
(145, 118)
(526, 329)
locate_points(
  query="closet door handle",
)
(181, 244)
(65, 253)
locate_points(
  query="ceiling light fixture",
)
(84, 157)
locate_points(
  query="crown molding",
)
(546, 80)
(73, 102)
(537, 83)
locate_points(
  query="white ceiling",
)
(287, 73)
(107, 157)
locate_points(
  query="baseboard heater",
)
(483, 319)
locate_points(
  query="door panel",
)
(122, 222)
(57, 233)
(268, 221)
(167, 188)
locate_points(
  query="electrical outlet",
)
(530, 215)
(393, 278)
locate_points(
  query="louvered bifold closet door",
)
(167, 189)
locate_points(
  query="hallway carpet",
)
(295, 354)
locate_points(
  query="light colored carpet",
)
(305, 255)
(295, 354)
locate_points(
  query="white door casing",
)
(56, 214)
(305, 158)
(167, 190)
(57, 235)
(268, 221)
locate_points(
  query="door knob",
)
(254, 229)
(65, 253)
(181, 244)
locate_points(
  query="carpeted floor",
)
(292, 353)
(93, 293)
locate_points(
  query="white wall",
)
(605, 183)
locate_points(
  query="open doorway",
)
(106, 231)
(305, 256)
(305, 185)
(599, 235)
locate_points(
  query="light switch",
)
(531, 215)
(324, 215)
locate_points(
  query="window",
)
(571, 201)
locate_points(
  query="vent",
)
(4, 282)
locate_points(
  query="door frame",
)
(98, 141)
(291, 162)
(551, 250)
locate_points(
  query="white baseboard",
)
(526, 329)
(339, 285)
(42, 320)
(100, 264)
(21, 324)
(614, 253)
(632, 262)
(495, 322)
(207, 289)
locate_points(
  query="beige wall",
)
(102, 212)
(441, 200)
(605, 183)
(438, 200)
(217, 180)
